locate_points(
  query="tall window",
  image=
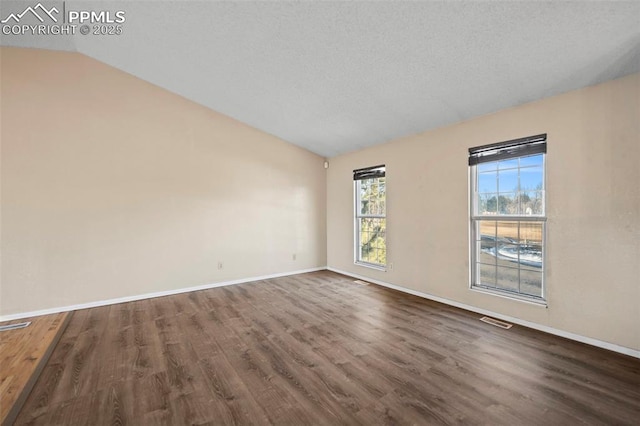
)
(370, 217)
(508, 217)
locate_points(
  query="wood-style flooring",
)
(23, 354)
(321, 349)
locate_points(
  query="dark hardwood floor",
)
(319, 348)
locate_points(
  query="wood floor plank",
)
(319, 348)
(237, 405)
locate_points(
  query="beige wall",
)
(593, 206)
(113, 187)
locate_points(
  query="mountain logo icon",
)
(33, 11)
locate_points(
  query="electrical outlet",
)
(219, 265)
(391, 266)
(294, 256)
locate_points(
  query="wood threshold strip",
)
(15, 326)
(10, 414)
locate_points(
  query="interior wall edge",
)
(118, 300)
(540, 327)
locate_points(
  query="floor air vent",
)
(496, 322)
(360, 282)
(14, 326)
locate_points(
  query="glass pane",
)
(363, 187)
(484, 167)
(531, 244)
(531, 203)
(531, 281)
(511, 163)
(382, 187)
(508, 279)
(364, 206)
(374, 189)
(531, 255)
(538, 203)
(488, 259)
(488, 203)
(532, 160)
(508, 203)
(508, 255)
(507, 232)
(531, 179)
(488, 182)
(487, 275)
(372, 207)
(372, 240)
(364, 236)
(372, 196)
(382, 231)
(486, 242)
(531, 233)
(508, 180)
(486, 230)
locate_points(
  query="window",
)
(370, 217)
(508, 217)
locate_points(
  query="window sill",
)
(510, 296)
(382, 268)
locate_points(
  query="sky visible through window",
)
(530, 175)
(513, 186)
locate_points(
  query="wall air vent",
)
(496, 322)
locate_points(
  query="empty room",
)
(319, 212)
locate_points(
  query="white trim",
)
(375, 266)
(566, 334)
(515, 297)
(151, 295)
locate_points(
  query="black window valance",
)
(369, 173)
(509, 149)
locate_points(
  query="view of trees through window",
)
(371, 221)
(508, 222)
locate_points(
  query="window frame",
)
(358, 215)
(475, 218)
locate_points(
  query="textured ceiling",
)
(334, 77)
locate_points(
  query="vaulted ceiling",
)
(333, 77)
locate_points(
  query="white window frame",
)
(476, 217)
(358, 215)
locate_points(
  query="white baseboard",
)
(588, 340)
(151, 295)
(568, 335)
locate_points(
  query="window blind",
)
(369, 173)
(509, 149)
